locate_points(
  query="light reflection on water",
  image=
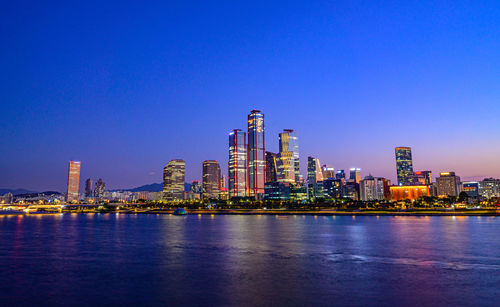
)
(256, 260)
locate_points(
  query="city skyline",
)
(353, 81)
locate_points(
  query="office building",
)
(89, 186)
(211, 179)
(314, 172)
(73, 181)
(288, 168)
(404, 165)
(351, 190)
(256, 154)
(340, 174)
(173, 180)
(100, 189)
(328, 172)
(237, 167)
(372, 188)
(196, 187)
(271, 167)
(489, 188)
(332, 188)
(423, 177)
(355, 175)
(448, 184)
(472, 190)
(411, 192)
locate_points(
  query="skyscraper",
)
(355, 174)
(288, 157)
(314, 172)
(372, 188)
(271, 167)
(89, 186)
(328, 171)
(340, 174)
(196, 187)
(237, 168)
(211, 179)
(100, 188)
(256, 154)
(404, 165)
(173, 180)
(448, 184)
(73, 181)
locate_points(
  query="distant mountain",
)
(154, 187)
(35, 194)
(16, 191)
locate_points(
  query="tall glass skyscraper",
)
(89, 186)
(314, 171)
(211, 179)
(173, 180)
(256, 154)
(355, 174)
(73, 181)
(237, 168)
(404, 165)
(271, 167)
(288, 157)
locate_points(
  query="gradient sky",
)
(127, 86)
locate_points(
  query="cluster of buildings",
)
(257, 174)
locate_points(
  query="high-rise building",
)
(196, 187)
(448, 184)
(256, 154)
(328, 172)
(211, 179)
(404, 165)
(89, 186)
(288, 167)
(271, 167)
(237, 168)
(332, 188)
(314, 172)
(423, 177)
(73, 181)
(173, 180)
(100, 189)
(489, 188)
(355, 174)
(372, 188)
(340, 174)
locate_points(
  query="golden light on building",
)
(73, 181)
(412, 192)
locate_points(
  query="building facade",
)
(372, 188)
(173, 180)
(355, 175)
(411, 192)
(271, 167)
(448, 184)
(314, 171)
(73, 181)
(100, 189)
(328, 172)
(288, 167)
(211, 179)
(89, 186)
(404, 165)
(237, 167)
(256, 154)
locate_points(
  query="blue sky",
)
(127, 86)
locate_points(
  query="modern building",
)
(271, 167)
(211, 179)
(73, 181)
(332, 188)
(256, 154)
(372, 188)
(472, 189)
(100, 189)
(489, 188)
(411, 192)
(328, 172)
(89, 187)
(237, 167)
(355, 174)
(423, 177)
(340, 174)
(351, 190)
(288, 167)
(314, 172)
(173, 180)
(196, 187)
(404, 165)
(448, 184)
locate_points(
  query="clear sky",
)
(125, 87)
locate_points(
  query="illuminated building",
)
(351, 190)
(340, 174)
(411, 192)
(372, 188)
(271, 167)
(237, 167)
(100, 188)
(314, 172)
(423, 177)
(211, 179)
(471, 188)
(332, 188)
(448, 184)
(355, 175)
(196, 187)
(288, 168)
(328, 172)
(404, 165)
(73, 181)
(256, 154)
(89, 186)
(173, 180)
(489, 188)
